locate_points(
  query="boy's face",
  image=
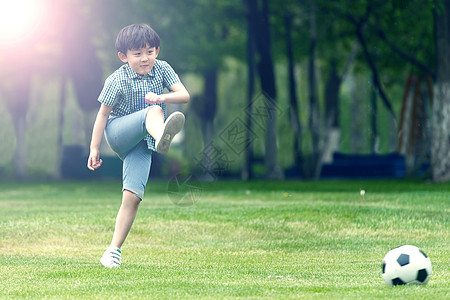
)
(140, 60)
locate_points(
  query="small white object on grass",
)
(362, 192)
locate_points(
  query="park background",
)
(276, 87)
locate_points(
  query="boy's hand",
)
(152, 98)
(94, 161)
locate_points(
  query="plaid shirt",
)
(125, 90)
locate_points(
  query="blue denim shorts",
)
(125, 135)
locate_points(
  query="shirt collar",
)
(133, 75)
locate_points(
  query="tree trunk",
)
(57, 173)
(440, 145)
(332, 96)
(20, 154)
(373, 119)
(332, 132)
(18, 101)
(294, 115)
(332, 105)
(313, 167)
(205, 108)
(267, 78)
(247, 172)
(357, 115)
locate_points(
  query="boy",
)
(132, 115)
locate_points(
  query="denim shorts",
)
(125, 135)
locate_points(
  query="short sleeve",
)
(170, 77)
(111, 92)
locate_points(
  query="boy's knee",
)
(155, 109)
(131, 198)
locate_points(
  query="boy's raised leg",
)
(154, 122)
(163, 132)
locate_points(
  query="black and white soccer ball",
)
(406, 265)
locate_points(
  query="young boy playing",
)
(132, 116)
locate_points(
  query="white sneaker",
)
(172, 126)
(111, 258)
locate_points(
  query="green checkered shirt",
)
(125, 90)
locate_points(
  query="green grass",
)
(273, 240)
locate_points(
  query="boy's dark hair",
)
(136, 36)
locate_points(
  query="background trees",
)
(324, 66)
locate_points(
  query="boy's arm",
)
(94, 161)
(178, 95)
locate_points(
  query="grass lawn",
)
(273, 240)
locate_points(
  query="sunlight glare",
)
(19, 19)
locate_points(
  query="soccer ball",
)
(406, 265)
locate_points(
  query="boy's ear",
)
(122, 57)
(157, 51)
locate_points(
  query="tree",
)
(440, 146)
(427, 56)
(16, 88)
(369, 22)
(85, 72)
(294, 113)
(265, 68)
(332, 101)
(247, 172)
(326, 42)
(314, 108)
